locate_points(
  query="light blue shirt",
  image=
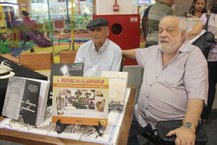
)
(108, 58)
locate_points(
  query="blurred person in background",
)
(25, 17)
(198, 7)
(159, 10)
(27, 24)
(145, 20)
(212, 57)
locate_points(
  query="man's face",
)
(98, 34)
(170, 35)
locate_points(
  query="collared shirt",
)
(108, 58)
(166, 89)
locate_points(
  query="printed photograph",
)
(68, 99)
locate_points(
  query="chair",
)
(158, 137)
(67, 56)
(135, 75)
(37, 60)
(10, 57)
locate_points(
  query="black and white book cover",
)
(26, 100)
(62, 69)
(66, 69)
(117, 87)
(29, 104)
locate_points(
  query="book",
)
(66, 69)
(26, 100)
(117, 86)
(85, 133)
(80, 100)
(63, 69)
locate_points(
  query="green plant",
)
(4, 47)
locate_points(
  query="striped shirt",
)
(156, 13)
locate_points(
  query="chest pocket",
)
(104, 66)
(174, 78)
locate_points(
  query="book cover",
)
(62, 69)
(28, 110)
(26, 100)
(117, 86)
(80, 100)
(66, 69)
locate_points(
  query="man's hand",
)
(184, 136)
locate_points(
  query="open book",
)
(117, 86)
(26, 100)
(80, 100)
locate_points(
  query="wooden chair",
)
(37, 60)
(135, 76)
(67, 56)
(10, 57)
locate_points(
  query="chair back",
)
(67, 56)
(135, 76)
(37, 60)
(10, 57)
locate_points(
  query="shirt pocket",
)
(104, 66)
(174, 78)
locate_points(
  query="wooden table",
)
(28, 138)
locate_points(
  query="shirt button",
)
(146, 96)
(146, 108)
(156, 77)
(150, 85)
